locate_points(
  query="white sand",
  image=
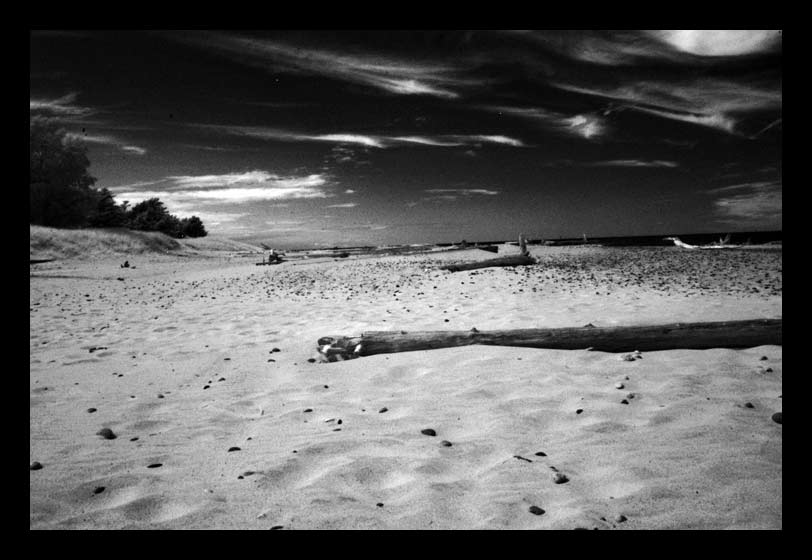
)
(684, 453)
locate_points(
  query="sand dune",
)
(177, 357)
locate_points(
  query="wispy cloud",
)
(392, 75)
(64, 106)
(713, 103)
(367, 140)
(757, 204)
(631, 163)
(345, 205)
(107, 141)
(582, 125)
(190, 192)
(453, 194)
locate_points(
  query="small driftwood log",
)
(523, 258)
(724, 334)
(38, 261)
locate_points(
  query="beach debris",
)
(106, 433)
(35, 466)
(428, 432)
(560, 478)
(777, 417)
(721, 334)
(522, 458)
(535, 510)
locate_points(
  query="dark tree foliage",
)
(107, 213)
(61, 193)
(152, 215)
(193, 227)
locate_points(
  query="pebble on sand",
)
(560, 478)
(620, 518)
(777, 417)
(384, 409)
(619, 385)
(155, 465)
(35, 466)
(535, 510)
(98, 490)
(230, 449)
(428, 432)
(579, 411)
(445, 443)
(106, 433)
(540, 454)
(624, 401)
(748, 405)
(91, 410)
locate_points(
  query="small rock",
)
(311, 360)
(428, 432)
(541, 454)
(777, 417)
(379, 504)
(98, 490)
(35, 466)
(134, 438)
(384, 409)
(106, 433)
(91, 410)
(579, 411)
(769, 370)
(155, 465)
(748, 405)
(276, 350)
(560, 478)
(205, 386)
(624, 401)
(620, 518)
(277, 527)
(630, 396)
(619, 385)
(308, 410)
(445, 443)
(763, 358)
(230, 449)
(535, 510)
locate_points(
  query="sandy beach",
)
(202, 367)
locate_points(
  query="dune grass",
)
(46, 242)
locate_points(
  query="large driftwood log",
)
(724, 334)
(512, 260)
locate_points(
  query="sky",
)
(342, 138)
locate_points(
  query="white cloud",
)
(345, 205)
(463, 192)
(757, 204)
(719, 42)
(61, 107)
(632, 163)
(583, 125)
(107, 141)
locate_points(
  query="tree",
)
(61, 193)
(152, 215)
(107, 213)
(193, 227)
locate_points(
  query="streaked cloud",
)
(367, 140)
(64, 106)
(631, 163)
(345, 205)
(107, 140)
(713, 103)
(581, 125)
(756, 204)
(389, 74)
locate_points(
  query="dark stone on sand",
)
(91, 410)
(384, 409)
(428, 432)
(540, 454)
(620, 518)
(445, 443)
(155, 465)
(98, 490)
(768, 370)
(277, 527)
(226, 359)
(35, 466)
(763, 358)
(106, 433)
(579, 411)
(777, 418)
(240, 477)
(205, 386)
(560, 478)
(308, 410)
(160, 396)
(276, 350)
(748, 405)
(230, 449)
(311, 360)
(134, 438)
(379, 504)
(624, 401)
(222, 379)
(340, 421)
(535, 510)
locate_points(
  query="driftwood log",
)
(38, 261)
(512, 260)
(723, 334)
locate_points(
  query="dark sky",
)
(389, 137)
